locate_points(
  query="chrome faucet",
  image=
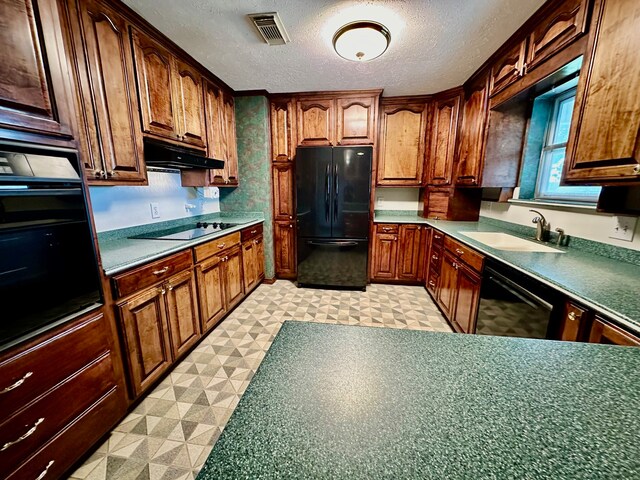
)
(542, 226)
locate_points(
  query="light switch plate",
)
(623, 227)
(155, 210)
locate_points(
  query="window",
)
(552, 158)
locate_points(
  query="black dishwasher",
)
(513, 304)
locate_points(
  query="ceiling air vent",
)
(270, 28)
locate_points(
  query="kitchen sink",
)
(504, 241)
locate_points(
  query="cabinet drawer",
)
(387, 228)
(150, 273)
(432, 282)
(572, 321)
(250, 232)
(213, 247)
(464, 253)
(435, 259)
(31, 372)
(57, 456)
(28, 430)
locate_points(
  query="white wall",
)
(398, 199)
(592, 226)
(121, 207)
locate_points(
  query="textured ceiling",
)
(435, 44)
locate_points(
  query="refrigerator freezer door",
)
(351, 185)
(332, 263)
(314, 188)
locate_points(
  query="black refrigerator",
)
(332, 207)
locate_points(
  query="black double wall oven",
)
(48, 264)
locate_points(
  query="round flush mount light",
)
(361, 41)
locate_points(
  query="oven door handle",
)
(519, 291)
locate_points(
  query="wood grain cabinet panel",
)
(446, 113)
(467, 298)
(231, 158)
(253, 262)
(283, 143)
(402, 144)
(472, 134)
(508, 69)
(110, 134)
(155, 78)
(216, 130)
(385, 256)
(572, 322)
(316, 121)
(446, 293)
(284, 235)
(411, 253)
(604, 139)
(566, 22)
(283, 188)
(234, 283)
(211, 292)
(607, 333)
(356, 120)
(189, 107)
(182, 312)
(34, 84)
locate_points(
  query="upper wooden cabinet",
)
(604, 140)
(401, 153)
(472, 133)
(35, 97)
(231, 158)
(444, 131)
(508, 69)
(316, 121)
(560, 26)
(283, 144)
(356, 120)
(283, 191)
(189, 107)
(109, 126)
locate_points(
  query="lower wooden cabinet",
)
(182, 312)
(398, 252)
(253, 262)
(284, 239)
(605, 332)
(468, 295)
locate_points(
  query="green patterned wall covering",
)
(254, 172)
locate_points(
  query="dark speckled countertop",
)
(607, 285)
(344, 402)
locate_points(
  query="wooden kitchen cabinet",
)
(467, 298)
(252, 257)
(444, 132)
(316, 121)
(472, 132)
(189, 105)
(231, 158)
(182, 312)
(283, 142)
(508, 68)
(283, 188)
(402, 145)
(398, 252)
(110, 135)
(35, 94)
(604, 139)
(411, 252)
(603, 331)
(211, 289)
(385, 256)
(284, 236)
(573, 322)
(356, 120)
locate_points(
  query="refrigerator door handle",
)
(327, 188)
(335, 192)
(332, 244)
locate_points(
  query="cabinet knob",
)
(636, 169)
(221, 245)
(169, 287)
(290, 217)
(254, 231)
(437, 237)
(434, 257)
(459, 252)
(455, 265)
(291, 225)
(573, 317)
(432, 284)
(163, 291)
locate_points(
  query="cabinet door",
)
(216, 127)
(182, 312)
(572, 323)
(234, 283)
(231, 165)
(467, 298)
(283, 185)
(316, 121)
(508, 68)
(356, 120)
(249, 267)
(110, 132)
(448, 285)
(402, 144)
(211, 293)
(443, 140)
(604, 140)
(606, 333)
(472, 134)
(145, 329)
(385, 256)
(189, 108)
(561, 26)
(154, 75)
(283, 145)
(34, 83)
(284, 236)
(259, 257)
(410, 252)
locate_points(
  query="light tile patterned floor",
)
(171, 432)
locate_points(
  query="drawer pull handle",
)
(17, 384)
(432, 284)
(161, 271)
(221, 245)
(253, 231)
(459, 252)
(437, 237)
(27, 434)
(573, 317)
(434, 257)
(46, 469)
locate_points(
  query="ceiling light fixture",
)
(361, 41)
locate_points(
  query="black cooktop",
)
(187, 232)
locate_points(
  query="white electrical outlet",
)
(215, 192)
(623, 227)
(380, 200)
(155, 210)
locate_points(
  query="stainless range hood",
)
(168, 156)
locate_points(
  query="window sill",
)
(557, 205)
